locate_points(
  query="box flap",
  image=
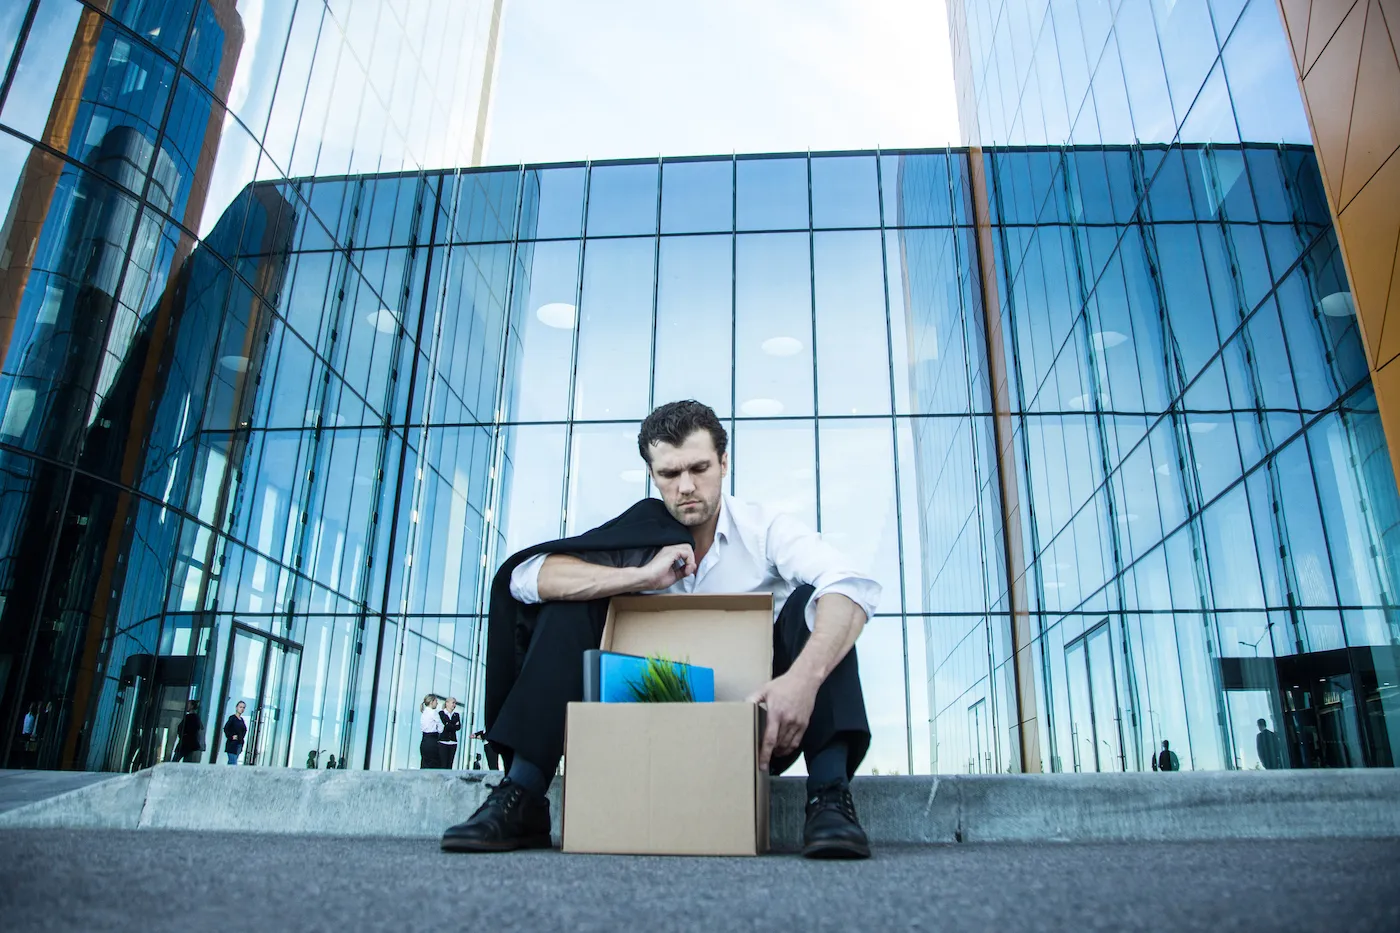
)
(731, 633)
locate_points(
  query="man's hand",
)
(789, 701)
(671, 564)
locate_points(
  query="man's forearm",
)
(567, 578)
(837, 625)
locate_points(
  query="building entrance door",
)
(262, 673)
(1093, 702)
(979, 741)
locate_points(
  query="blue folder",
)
(608, 676)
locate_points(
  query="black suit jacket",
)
(451, 725)
(629, 540)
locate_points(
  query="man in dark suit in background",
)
(1269, 748)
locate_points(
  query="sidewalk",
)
(894, 810)
(158, 880)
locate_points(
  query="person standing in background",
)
(431, 726)
(1167, 761)
(235, 732)
(29, 735)
(493, 754)
(447, 739)
(1268, 747)
(191, 735)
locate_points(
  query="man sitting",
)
(814, 701)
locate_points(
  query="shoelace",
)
(506, 796)
(837, 799)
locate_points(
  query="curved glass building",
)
(276, 403)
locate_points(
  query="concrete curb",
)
(894, 810)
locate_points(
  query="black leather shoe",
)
(832, 830)
(511, 818)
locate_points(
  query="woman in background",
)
(447, 739)
(235, 731)
(431, 726)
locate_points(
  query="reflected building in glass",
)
(1094, 411)
(1198, 495)
(148, 258)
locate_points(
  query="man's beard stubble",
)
(694, 519)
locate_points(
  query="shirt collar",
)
(724, 528)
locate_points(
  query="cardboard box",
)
(675, 778)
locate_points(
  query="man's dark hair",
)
(675, 421)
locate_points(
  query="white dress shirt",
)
(755, 551)
(429, 721)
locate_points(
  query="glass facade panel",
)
(773, 325)
(771, 194)
(695, 287)
(697, 197)
(622, 199)
(615, 329)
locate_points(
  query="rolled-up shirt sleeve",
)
(800, 555)
(525, 579)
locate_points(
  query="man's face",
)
(690, 477)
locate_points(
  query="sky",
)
(633, 78)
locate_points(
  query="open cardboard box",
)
(675, 778)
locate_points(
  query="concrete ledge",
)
(112, 804)
(928, 810)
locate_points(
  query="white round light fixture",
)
(1079, 402)
(383, 320)
(782, 346)
(1337, 304)
(1202, 427)
(762, 407)
(238, 364)
(1107, 339)
(558, 314)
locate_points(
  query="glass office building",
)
(1198, 488)
(1095, 415)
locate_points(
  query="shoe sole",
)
(467, 845)
(836, 850)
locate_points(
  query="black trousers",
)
(447, 754)
(531, 722)
(428, 749)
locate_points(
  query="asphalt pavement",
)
(150, 880)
